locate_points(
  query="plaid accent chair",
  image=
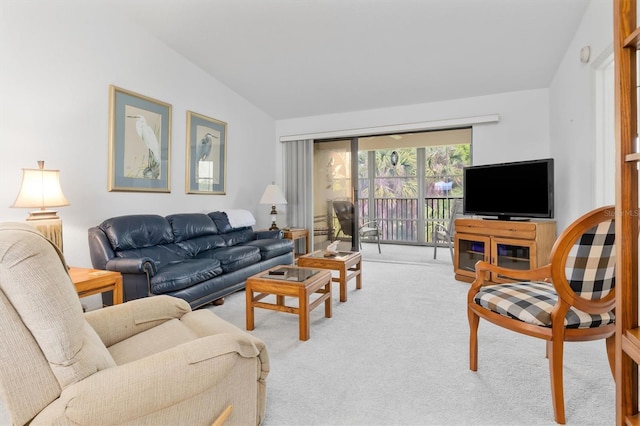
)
(570, 299)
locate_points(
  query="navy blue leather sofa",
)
(194, 256)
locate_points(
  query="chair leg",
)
(474, 321)
(451, 250)
(611, 353)
(555, 353)
(378, 238)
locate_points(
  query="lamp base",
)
(50, 228)
(43, 215)
(273, 214)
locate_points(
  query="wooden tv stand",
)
(510, 244)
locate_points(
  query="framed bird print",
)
(206, 154)
(139, 142)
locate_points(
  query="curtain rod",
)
(396, 128)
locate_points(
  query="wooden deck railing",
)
(402, 220)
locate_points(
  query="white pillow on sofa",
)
(239, 218)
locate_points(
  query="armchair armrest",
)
(149, 385)
(260, 235)
(141, 265)
(119, 322)
(483, 268)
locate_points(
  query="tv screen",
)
(522, 189)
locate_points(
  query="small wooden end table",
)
(290, 281)
(294, 234)
(95, 281)
(347, 263)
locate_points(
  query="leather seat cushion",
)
(270, 248)
(184, 273)
(197, 245)
(238, 236)
(233, 258)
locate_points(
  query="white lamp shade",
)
(273, 195)
(40, 188)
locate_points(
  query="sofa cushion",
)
(197, 245)
(270, 248)
(222, 222)
(184, 273)
(186, 226)
(161, 255)
(238, 236)
(233, 258)
(137, 231)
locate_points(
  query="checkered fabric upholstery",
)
(590, 270)
(591, 264)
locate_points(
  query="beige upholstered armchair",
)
(148, 361)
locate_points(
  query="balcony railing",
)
(401, 219)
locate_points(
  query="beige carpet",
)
(397, 354)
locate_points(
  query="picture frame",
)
(206, 157)
(139, 142)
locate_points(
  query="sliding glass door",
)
(334, 174)
(405, 182)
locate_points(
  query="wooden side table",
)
(294, 234)
(95, 281)
(347, 263)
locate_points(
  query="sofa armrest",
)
(140, 265)
(130, 392)
(119, 322)
(276, 233)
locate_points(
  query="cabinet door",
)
(469, 249)
(512, 254)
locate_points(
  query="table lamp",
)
(273, 195)
(41, 189)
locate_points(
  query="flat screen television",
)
(522, 189)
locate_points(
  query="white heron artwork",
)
(150, 141)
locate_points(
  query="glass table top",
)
(290, 273)
(321, 254)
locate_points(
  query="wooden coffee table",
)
(292, 281)
(347, 263)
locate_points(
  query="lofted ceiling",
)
(296, 58)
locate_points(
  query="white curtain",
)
(298, 184)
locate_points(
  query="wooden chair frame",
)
(557, 334)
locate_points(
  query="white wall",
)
(55, 70)
(573, 114)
